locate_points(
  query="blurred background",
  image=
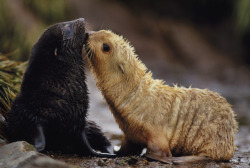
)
(198, 43)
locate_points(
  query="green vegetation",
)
(49, 11)
(12, 37)
(243, 15)
(11, 73)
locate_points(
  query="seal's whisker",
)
(89, 52)
(85, 56)
(92, 53)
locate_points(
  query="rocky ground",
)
(23, 155)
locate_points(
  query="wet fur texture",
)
(169, 121)
(54, 98)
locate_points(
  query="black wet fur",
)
(50, 111)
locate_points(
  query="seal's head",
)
(111, 54)
(57, 51)
(60, 41)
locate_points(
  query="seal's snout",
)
(87, 35)
(91, 32)
(80, 20)
(80, 23)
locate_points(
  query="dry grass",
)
(11, 73)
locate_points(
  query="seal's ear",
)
(121, 68)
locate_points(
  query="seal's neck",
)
(120, 93)
(117, 86)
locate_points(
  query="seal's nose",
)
(91, 32)
(80, 21)
(80, 26)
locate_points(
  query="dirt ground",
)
(240, 159)
(136, 161)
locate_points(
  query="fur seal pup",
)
(176, 124)
(50, 111)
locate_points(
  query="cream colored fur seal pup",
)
(176, 124)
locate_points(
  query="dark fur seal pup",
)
(50, 112)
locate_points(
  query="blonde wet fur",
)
(169, 121)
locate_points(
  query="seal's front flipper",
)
(96, 138)
(129, 147)
(39, 141)
(177, 160)
(92, 151)
(190, 159)
(157, 150)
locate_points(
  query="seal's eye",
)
(105, 47)
(67, 31)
